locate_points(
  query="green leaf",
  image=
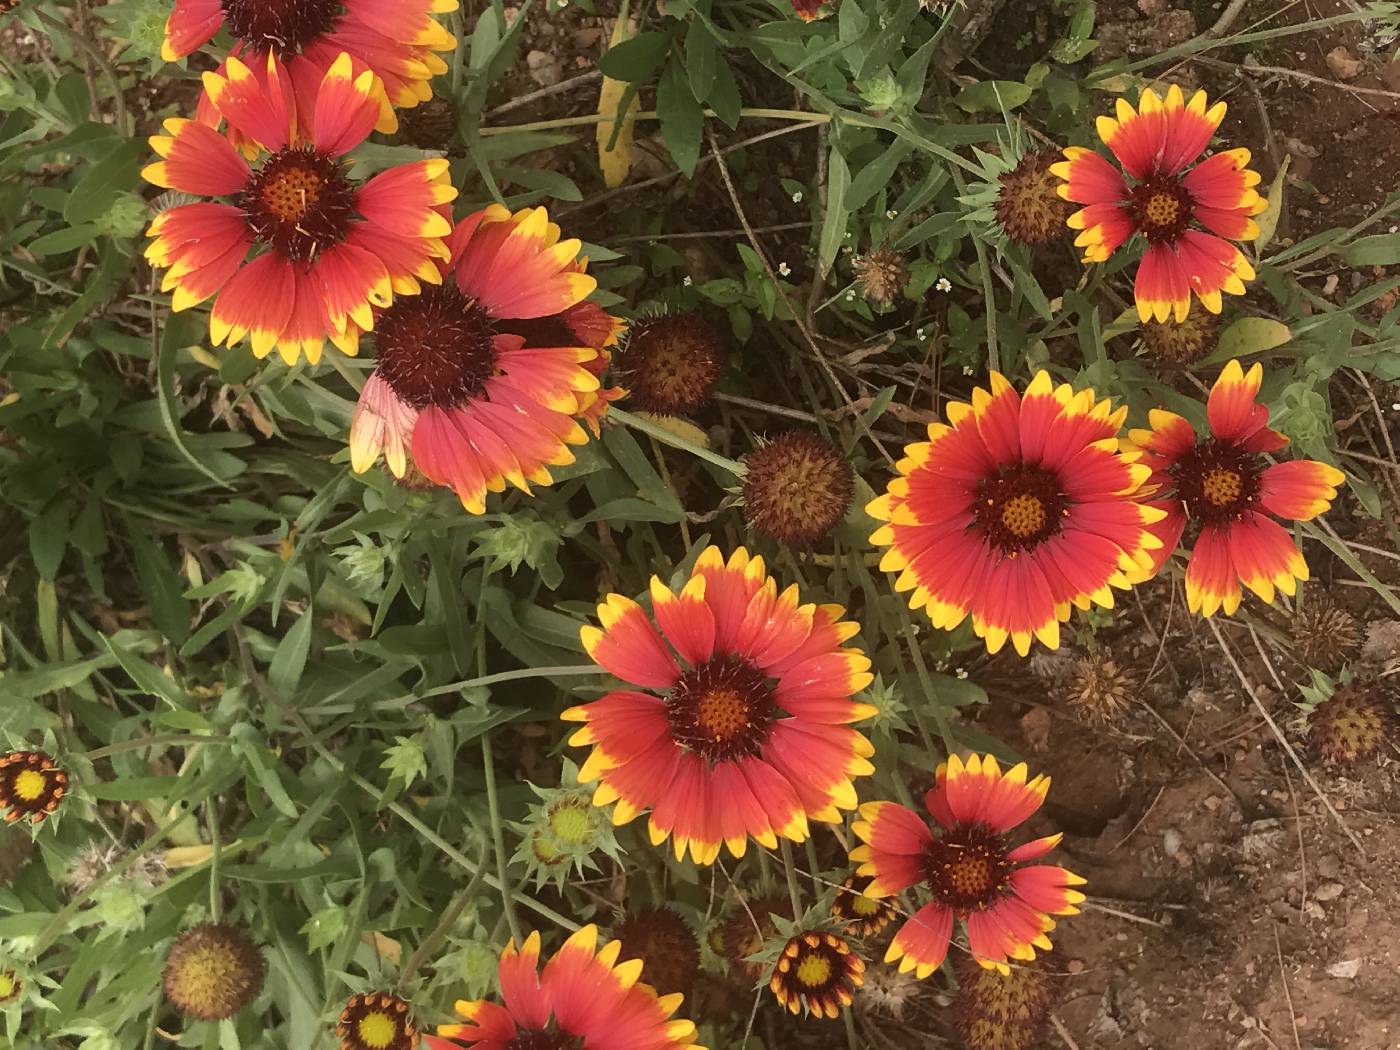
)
(724, 95)
(289, 661)
(635, 59)
(405, 759)
(180, 330)
(682, 119)
(1383, 249)
(159, 582)
(1250, 335)
(875, 176)
(701, 59)
(97, 190)
(1268, 221)
(992, 96)
(323, 928)
(48, 538)
(148, 677)
(64, 240)
(838, 181)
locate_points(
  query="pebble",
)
(1328, 891)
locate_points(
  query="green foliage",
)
(275, 677)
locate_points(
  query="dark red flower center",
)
(544, 1040)
(298, 203)
(1218, 481)
(548, 331)
(436, 348)
(967, 867)
(723, 709)
(282, 26)
(1161, 208)
(1020, 507)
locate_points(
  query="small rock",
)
(1345, 968)
(1328, 891)
(1152, 7)
(1343, 64)
(544, 68)
(1313, 910)
(1077, 966)
(1171, 841)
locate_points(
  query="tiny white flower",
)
(967, 370)
(943, 284)
(847, 248)
(1395, 407)
(850, 297)
(961, 672)
(848, 235)
(687, 281)
(891, 213)
(784, 269)
(797, 197)
(918, 333)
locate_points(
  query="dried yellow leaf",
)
(617, 161)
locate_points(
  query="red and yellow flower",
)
(1167, 198)
(396, 39)
(1224, 483)
(584, 1000)
(970, 871)
(483, 379)
(743, 730)
(1017, 510)
(297, 251)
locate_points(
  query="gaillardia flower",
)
(968, 868)
(666, 945)
(817, 972)
(584, 1000)
(393, 38)
(31, 786)
(862, 916)
(1019, 509)
(376, 1021)
(669, 363)
(328, 249)
(484, 378)
(1165, 202)
(797, 488)
(1224, 483)
(212, 971)
(743, 731)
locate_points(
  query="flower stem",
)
(211, 817)
(663, 435)
(498, 837)
(790, 870)
(168, 740)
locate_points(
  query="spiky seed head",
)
(1184, 342)
(881, 276)
(1098, 689)
(1324, 634)
(1352, 723)
(16, 848)
(741, 938)
(666, 945)
(888, 991)
(1001, 1012)
(797, 489)
(1028, 206)
(212, 971)
(429, 125)
(669, 363)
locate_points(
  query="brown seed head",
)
(666, 945)
(1099, 690)
(741, 939)
(1185, 342)
(1324, 634)
(1028, 206)
(669, 363)
(212, 971)
(1352, 723)
(888, 991)
(429, 125)
(996, 1012)
(881, 276)
(797, 489)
